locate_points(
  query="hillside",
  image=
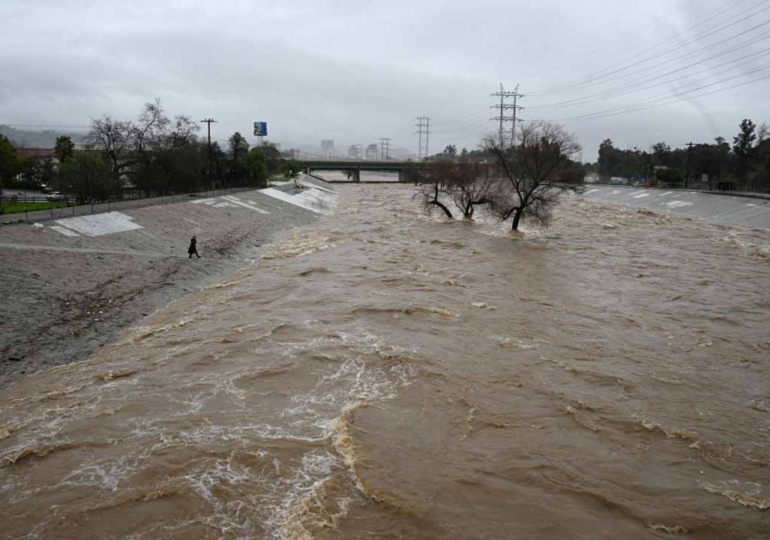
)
(37, 139)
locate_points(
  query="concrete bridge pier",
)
(355, 175)
(407, 175)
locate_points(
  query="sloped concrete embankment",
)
(69, 286)
(717, 208)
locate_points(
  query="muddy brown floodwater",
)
(383, 375)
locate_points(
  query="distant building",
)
(292, 153)
(355, 151)
(327, 148)
(372, 151)
(35, 152)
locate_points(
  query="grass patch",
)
(16, 207)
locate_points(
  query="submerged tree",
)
(531, 183)
(432, 188)
(467, 184)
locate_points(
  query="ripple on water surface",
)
(384, 374)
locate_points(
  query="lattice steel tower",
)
(423, 130)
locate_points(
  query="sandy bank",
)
(68, 287)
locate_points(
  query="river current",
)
(382, 375)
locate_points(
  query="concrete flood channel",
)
(72, 284)
(748, 211)
(382, 374)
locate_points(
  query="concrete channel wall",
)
(73, 284)
(749, 211)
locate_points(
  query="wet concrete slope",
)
(71, 285)
(718, 208)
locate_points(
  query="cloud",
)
(355, 72)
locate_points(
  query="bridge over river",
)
(406, 169)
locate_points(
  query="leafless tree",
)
(467, 184)
(152, 129)
(139, 151)
(183, 133)
(114, 139)
(432, 188)
(155, 131)
(531, 173)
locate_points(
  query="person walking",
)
(193, 249)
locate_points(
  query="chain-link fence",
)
(23, 208)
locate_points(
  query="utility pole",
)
(384, 148)
(423, 128)
(689, 155)
(209, 121)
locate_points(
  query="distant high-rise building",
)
(291, 153)
(372, 151)
(355, 151)
(327, 147)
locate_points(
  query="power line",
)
(666, 96)
(595, 78)
(462, 127)
(639, 28)
(643, 106)
(692, 53)
(423, 130)
(634, 88)
(603, 73)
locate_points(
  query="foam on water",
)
(388, 374)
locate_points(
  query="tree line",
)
(151, 156)
(743, 165)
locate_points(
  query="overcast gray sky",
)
(355, 71)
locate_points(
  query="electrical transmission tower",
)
(209, 121)
(502, 118)
(423, 130)
(384, 148)
(515, 107)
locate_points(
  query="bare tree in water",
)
(533, 173)
(432, 188)
(468, 184)
(465, 184)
